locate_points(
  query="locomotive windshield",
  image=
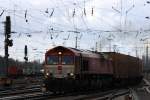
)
(52, 60)
(67, 59)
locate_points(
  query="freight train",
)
(70, 69)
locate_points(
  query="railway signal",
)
(26, 53)
(8, 42)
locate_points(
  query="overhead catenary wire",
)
(78, 9)
(2, 13)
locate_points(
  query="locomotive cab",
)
(60, 63)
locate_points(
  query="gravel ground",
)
(142, 93)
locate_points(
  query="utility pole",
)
(110, 38)
(76, 43)
(100, 46)
(147, 57)
(96, 47)
(136, 51)
(115, 47)
(8, 42)
(147, 67)
(76, 39)
(110, 44)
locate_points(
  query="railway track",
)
(28, 96)
(34, 95)
(33, 92)
(21, 85)
(109, 95)
(22, 91)
(145, 86)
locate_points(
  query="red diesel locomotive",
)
(69, 69)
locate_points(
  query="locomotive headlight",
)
(59, 53)
(71, 74)
(47, 74)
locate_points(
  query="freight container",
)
(124, 66)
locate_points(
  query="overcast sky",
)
(43, 24)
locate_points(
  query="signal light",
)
(10, 43)
(8, 27)
(25, 50)
(8, 35)
(47, 74)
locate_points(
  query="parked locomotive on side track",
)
(70, 69)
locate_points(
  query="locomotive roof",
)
(118, 54)
(78, 52)
(89, 53)
(86, 53)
